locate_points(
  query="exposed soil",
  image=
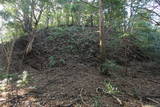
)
(75, 79)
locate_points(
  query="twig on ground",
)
(81, 97)
(150, 99)
(118, 100)
(154, 81)
(150, 96)
(113, 96)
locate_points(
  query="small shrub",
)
(70, 48)
(74, 29)
(50, 38)
(24, 79)
(109, 88)
(97, 102)
(62, 61)
(59, 29)
(52, 61)
(72, 40)
(109, 66)
(56, 33)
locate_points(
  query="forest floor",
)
(64, 71)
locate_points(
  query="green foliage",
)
(70, 48)
(74, 29)
(52, 61)
(97, 102)
(22, 13)
(21, 80)
(111, 89)
(50, 38)
(147, 37)
(24, 79)
(109, 66)
(62, 61)
(4, 76)
(58, 32)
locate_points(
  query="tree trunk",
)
(67, 19)
(101, 30)
(72, 18)
(91, 20)
(27, 24)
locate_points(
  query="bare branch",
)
(150, 20)
(157, 1)
(151, 11)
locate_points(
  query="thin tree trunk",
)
(67, 19)
(91, 20)
(72, 18)
(101, 30)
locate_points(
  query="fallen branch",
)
(149, 96)
(81, 97)
(154, 81)
(117, 99)
(154, 101)
(113, 96)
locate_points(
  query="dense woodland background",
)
(79, 53)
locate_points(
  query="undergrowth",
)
(74, 40)
(24, 79)
(52, 61)
(110, 88)
(20, 80)
(109, 66)
(97, 101)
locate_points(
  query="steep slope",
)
(64, 71)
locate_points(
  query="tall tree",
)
(101, 30)
(27, 12)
